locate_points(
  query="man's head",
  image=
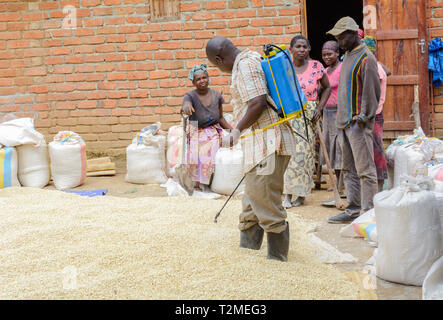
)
(221, 52)
(346, 33)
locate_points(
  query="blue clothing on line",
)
(436, 61)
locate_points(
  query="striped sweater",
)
(359, 87)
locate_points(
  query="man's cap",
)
(344, 24)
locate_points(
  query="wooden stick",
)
(339, 203)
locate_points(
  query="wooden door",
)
(400, 27)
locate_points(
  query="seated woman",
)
(204, 106)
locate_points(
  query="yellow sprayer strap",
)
(269, 127)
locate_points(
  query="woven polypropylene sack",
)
(33, 165)
(145, 164)
(8, 168)
(408, 232)
(68, 160)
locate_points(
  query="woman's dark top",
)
(205, 115)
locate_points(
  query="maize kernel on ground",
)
(56, 245)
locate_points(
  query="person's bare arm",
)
(324, 97)
(187, 108)
(223, 123)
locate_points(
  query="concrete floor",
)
(311, 211)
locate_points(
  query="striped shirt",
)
(249, 82)
(359, 87)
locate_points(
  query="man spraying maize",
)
(266, 153)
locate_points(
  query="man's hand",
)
(361, 120)
(188, 109)
(231, 139)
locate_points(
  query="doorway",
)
(320, 18)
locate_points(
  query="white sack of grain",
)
(145, 160)
(33, 165)
(406, 161)
(433, 283)
(174, 149)
(228, 170)
(18, 132)
(408, 231)
(8, 168)
(68, 160)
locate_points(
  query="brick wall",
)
(117, 70)
(435, 14)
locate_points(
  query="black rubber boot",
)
(252, 238)
(278, 245)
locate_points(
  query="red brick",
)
(272, 30)
(64, 87)
(125, 47)
(148, 84)
(97, 95)
(261, 22)
(215, 25)
(204, 34)
(215, 5)
(193, 26)
(114, 57)
(117, 76)
(202, 16)
(283, 21)
(140, 75)
(224, 15)
(159, 92)
(128, 29)
(181, 35)
(158, 75)
(246, 14)
(163, 55)
(193, 44)
(60, 51)
(91, 3)
(117, 94)
(36, 71)
(189, 7)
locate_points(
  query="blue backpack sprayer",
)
(284, 90)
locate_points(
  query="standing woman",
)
(330, 55)
(311, 75)
(204, 106)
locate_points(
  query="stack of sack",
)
(408, 155)
(68, 160)
(145, 157)
(23, 154)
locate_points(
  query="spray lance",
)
(284, 90)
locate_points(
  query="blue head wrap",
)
(197, 69)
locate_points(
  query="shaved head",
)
(222, 53)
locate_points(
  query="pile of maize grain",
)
(56, 245)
